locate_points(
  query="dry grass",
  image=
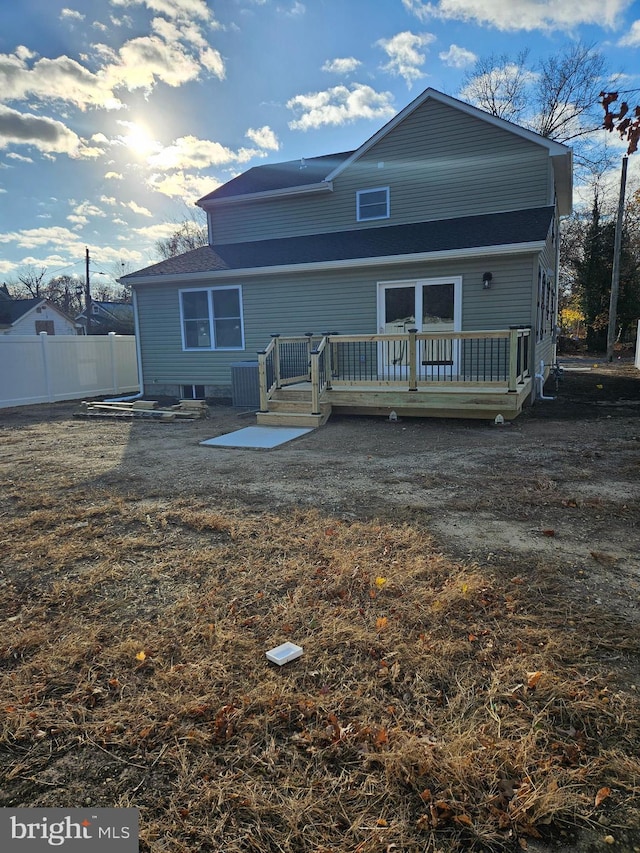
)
(437, 706)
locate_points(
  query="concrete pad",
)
(257, 437)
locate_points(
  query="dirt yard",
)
(550, 502)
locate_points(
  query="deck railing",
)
(412, 360)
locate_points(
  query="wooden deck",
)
(304, 380)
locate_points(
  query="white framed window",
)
(211, 318)
(372, 204)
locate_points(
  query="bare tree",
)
(190, 234)
(499, 85)
(32, 281)
(567, 93)
(556, 97)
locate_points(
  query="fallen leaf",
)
(381, 822)
(533, 678)
(381, 623)
(380, 582)
(141, 656)
(548, 532)
(602, 795)
(381, 738)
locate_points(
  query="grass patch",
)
(438, 705)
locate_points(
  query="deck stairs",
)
(291, 406)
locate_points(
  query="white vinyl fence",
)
(48, 368)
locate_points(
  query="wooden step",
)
(297, 419)
(293, 406)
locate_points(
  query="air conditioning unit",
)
(245, 385)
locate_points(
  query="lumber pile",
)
(144, 410)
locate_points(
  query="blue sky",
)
(116, 115)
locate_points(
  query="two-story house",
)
(417, 273)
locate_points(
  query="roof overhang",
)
(351, 263)
(303, 189)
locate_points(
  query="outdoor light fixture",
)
(487, 278)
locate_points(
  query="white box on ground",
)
(284, 653)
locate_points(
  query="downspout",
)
(136, 331)
(540, 378)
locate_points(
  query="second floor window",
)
(212, 318)
(372, 204)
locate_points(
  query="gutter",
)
(349, 263)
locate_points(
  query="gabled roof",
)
(277, 177)
(122, 311)
(12, 310)
(522, 230)
(316, 174)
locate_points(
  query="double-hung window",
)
(372, 204)
(212, 318)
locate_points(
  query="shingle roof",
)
(12, 309)
(278, 176)
(466, 232)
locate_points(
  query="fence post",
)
(114, 363)
(413, 379)
(45, 366)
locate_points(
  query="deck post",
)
(513, 359)
(262, 380)
(413, 378)
(329, 365)
(276, 361)
(309, 337)
(314, 355)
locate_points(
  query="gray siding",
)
(439, 163)
(341, 301)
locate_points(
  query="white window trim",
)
(209, 291)
(360, 193)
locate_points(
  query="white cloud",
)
(31, 238)
(13, 156)
(113, 176)
(632, 38)
(67, 14)
(263, 137)
(136, 208)
(182, 185)
(405, 59)
(48, 135)
(523, 14)
(189, 152)
(53, 79)
(457, 57)
(187, 9)
(344, 65)
(87, 208)
(340, 105)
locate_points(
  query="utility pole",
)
(615, 275)
(87, 294)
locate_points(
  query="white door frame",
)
(418, 284)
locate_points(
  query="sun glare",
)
(139, 140)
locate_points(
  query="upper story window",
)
(372, 204)
(212, 318)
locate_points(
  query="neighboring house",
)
(445, 222)
(32, 316)
(108, 317)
